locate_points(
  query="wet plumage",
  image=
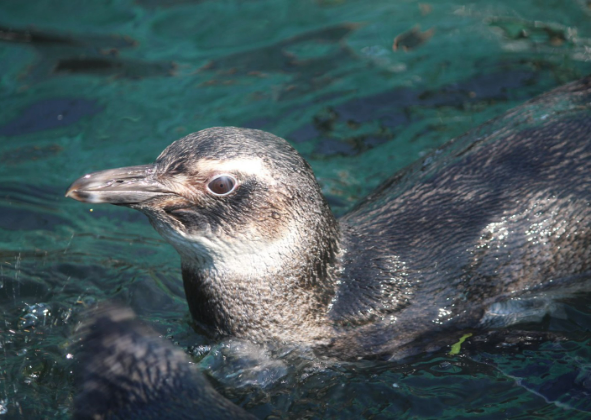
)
(126, 371)
(499, 214)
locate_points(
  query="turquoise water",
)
(85, 87)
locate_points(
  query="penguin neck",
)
(277, 291)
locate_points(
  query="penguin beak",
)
(123, 186)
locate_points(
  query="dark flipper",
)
(127, 372)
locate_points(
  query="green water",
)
(92, 85)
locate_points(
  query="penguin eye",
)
(222, 185)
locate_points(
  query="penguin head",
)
(222, 196)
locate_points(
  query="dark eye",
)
(222, 185)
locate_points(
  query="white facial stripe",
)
(242, 165)
(227, 254)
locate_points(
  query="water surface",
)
(86, 87)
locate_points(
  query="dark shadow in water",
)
(387, 113)
(50, 113)
(85, 54)
(309, 74)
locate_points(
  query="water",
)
(84, 88)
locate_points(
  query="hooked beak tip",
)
(79, 195)
(76, 190)
(120, 186)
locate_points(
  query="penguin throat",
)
(261, 291)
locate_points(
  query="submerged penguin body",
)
(499, 213)
(127, 372)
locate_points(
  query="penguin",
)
(125, 371)
(455, 242)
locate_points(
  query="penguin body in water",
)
(497, 216)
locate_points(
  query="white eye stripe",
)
(221, 185)
(244, 166)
